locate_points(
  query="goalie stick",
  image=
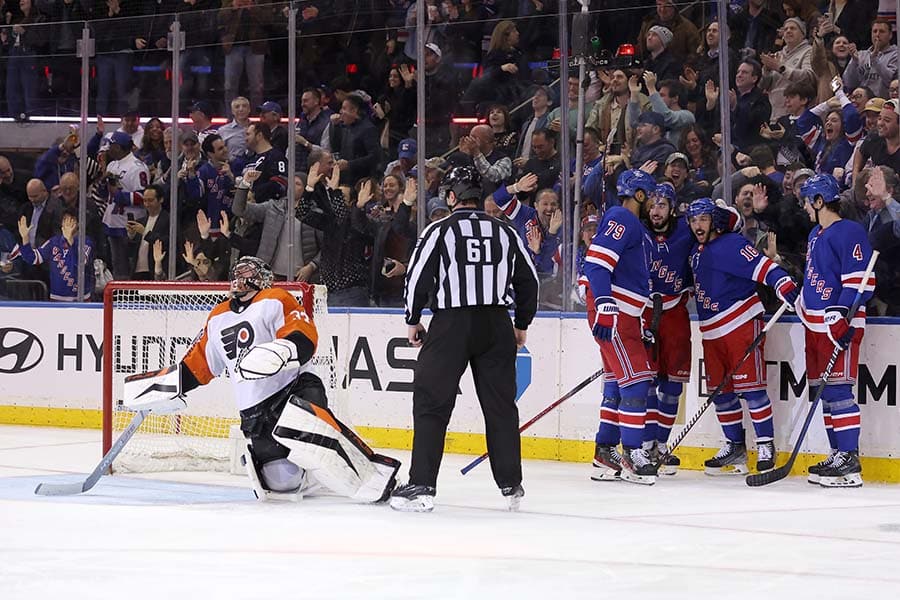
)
(69, 489)
(538, 416)
(693, 420)
(783, 471)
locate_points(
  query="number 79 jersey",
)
(836, 260)
(617, 261)
(229, 334)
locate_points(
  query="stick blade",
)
(59, 489)
(761, 479)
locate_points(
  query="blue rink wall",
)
(50, 375)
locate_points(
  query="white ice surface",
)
(202, 536)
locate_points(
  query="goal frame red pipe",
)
(200, 286)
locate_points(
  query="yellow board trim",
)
(875, 469)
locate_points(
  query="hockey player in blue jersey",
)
(726, 270)
(616, 268)
(668, 320)
(836, 258)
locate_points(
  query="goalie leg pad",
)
(333, 453)
(288, 480)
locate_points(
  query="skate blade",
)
(668, 470)
(847, 481)
(420, 504)
(639, 479)
(813, 479)
(605, 474)
(514, 503)
(727, 471)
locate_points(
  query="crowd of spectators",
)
(813, 88)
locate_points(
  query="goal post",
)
(149, 325)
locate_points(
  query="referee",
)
(472, 266)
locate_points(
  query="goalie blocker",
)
(264, 339)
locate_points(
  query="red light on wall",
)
(625, 50)
(352, 69)
(556, 54)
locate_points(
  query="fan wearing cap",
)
(666, 98)
(679, 177)
(406, 160)
(201, 115)
(652, 146)
(657, 58)
(792, 63)
(882, 148)
(270, 114)
(126, 179)
(685, 35)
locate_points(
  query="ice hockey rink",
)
(203, 535)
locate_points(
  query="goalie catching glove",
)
(267, 359)
(156, 391)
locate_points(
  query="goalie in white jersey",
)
(264, 339)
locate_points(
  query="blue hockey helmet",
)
(632, 180)
(705, 206)
(665, 190)
(823, 185)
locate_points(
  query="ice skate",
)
(514, 494)
(730, 460)
(637, 467)
(844, 471)
(765, 459)
(413, 498)
(607, 464)
(670, 465)
(816, 470)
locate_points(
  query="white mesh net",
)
(152, 328)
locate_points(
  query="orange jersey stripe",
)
(195, 359)
(296, 318)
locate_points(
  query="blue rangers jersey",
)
(670, 273)
(61, 259)
(836, 260)
(726, 271)
(617, 262)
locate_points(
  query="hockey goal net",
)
(149, 325)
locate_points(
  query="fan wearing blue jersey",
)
(616, 269)
(837, 254)
(670, 356)
(726, 271)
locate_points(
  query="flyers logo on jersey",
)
(237, 338)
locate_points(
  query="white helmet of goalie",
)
(250, 274)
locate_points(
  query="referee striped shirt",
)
(470, 259)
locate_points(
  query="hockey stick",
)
(538, 416)
(725, 380)
(68, 489)
(783, 471)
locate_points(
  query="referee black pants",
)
(484, 338)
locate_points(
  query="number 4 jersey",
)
(726, 271)
(229, 333)
(836, 260)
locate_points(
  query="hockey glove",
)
(735, 219)
(786, 290)
(264, 360)
(839, 331)
(156, 391)
(606, 319)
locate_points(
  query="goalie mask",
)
(250, 274)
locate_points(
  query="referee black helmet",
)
(464, 182)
